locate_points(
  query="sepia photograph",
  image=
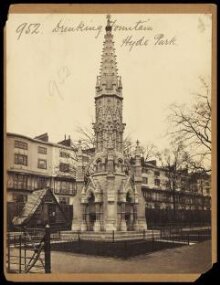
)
(109, 136)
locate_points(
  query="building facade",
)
(34, 164)
(188, 203)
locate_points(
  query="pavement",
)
(195, 258)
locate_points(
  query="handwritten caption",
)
(131, 40)
(55, 84)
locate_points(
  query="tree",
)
(87, 137)
(148, 151)
(193, 126)
(174, 160)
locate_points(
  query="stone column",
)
(131, 219)
(111, 205)
(135, 223)
(97, 225)
(123, 222)
(141, 220)
(77, 208)
(83, 227)
(77, 201)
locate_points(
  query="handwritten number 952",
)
(26, 28)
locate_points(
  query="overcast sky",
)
(51, 76)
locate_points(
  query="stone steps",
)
(108, 236)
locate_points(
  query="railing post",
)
(25, 251)
(9, 253)
(113, 236)
(144, 234)
(188, 238)
(20, 253)
(126, 249)
(152, 240)
(47, 250)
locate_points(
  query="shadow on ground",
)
(120, 249)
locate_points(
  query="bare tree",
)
(87, 137)
(193, 126)
(174, 160)
(148, 150)
(128, 146)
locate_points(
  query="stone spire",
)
(108, 79)
(138, 167)
(137, 149)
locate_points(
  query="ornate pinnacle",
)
(137, 149)
(108, 78)
(79, 147)
(108, 18)
(108, 27)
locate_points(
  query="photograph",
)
(110, 142)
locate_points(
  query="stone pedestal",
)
(123, 226)
(136, 226)
(110, 226)
(76, 226)
(97, 226)
(140, 225)
(83, 227)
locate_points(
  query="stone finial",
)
(79, 147)
(108, 27)
(108, 17)
(137, 149)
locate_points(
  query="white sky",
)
(153, 76)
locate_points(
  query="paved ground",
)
(186, 259)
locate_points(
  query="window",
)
(19, 197)
(51, 213)
(156, 173)
(21, 159)
(19, 181)
(42, 163)
(65, 188)
(64, 154)
(42, 150)
(41, 182)
(64, 167)
(20, 144)
(64, 200)
(145, 180)
(157, 182)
